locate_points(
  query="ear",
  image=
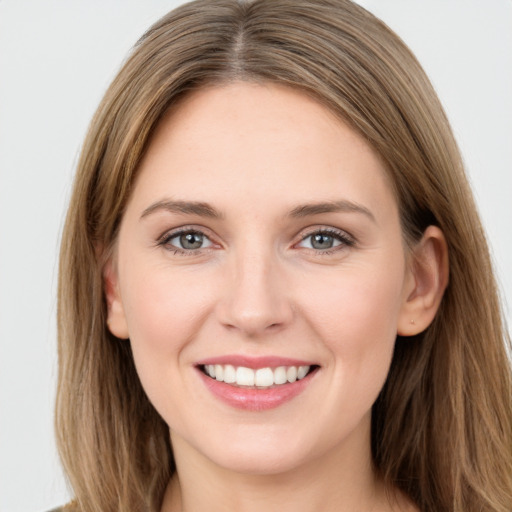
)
(116, 319)
(425, 283)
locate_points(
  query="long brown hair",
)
(442, 425)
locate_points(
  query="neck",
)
(341, 480)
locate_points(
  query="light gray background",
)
(56, 59)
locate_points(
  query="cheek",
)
(153, 297)
(164, 312)
(353, 313)
(356, 315)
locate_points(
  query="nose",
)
(255, 300)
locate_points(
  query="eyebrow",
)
(307, 210)
(202, 209)
(183, 207)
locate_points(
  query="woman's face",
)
(261, 241)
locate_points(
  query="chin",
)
(259, 462)
(263, 454)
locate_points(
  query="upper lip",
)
(254, 362)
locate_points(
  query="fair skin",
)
(261, 226)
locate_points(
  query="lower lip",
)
(252, 399)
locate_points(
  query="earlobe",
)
(426, 282)
(116, 319)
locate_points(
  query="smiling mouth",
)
(261, 378)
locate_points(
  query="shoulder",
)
(70, 507)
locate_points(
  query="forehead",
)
(262, 140)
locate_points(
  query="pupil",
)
(191, 241)
(322, 241)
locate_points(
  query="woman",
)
(274, 286)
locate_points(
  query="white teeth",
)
(261, 378)
(229, 374)
(264, 377)
(302, 371)
(244, 376)
(280, 375)
(291, 374)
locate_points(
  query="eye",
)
(325, 240)
(184, 241)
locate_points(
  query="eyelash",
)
(164, 241)
(344, 238)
